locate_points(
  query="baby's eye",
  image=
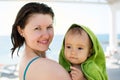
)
(68, 47)
(80, 48)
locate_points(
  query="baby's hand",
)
(76, 74)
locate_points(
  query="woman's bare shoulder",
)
(46, 69)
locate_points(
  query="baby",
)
(82, 55)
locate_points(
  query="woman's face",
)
(38, 32)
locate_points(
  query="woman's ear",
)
(20, 30)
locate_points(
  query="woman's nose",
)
(45, 34)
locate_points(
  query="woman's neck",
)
(40, 54)
(31, 52)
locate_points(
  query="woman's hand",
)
(76, 74)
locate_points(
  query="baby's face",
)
(77, 47)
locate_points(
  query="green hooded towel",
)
(94, 68)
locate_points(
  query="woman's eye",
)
(49, 27)
(37, 28)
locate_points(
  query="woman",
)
(33, 27)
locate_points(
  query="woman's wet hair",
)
(21, 19)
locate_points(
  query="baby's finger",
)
(75, 69)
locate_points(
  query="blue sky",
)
(95, 16)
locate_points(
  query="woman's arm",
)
(45, 69)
